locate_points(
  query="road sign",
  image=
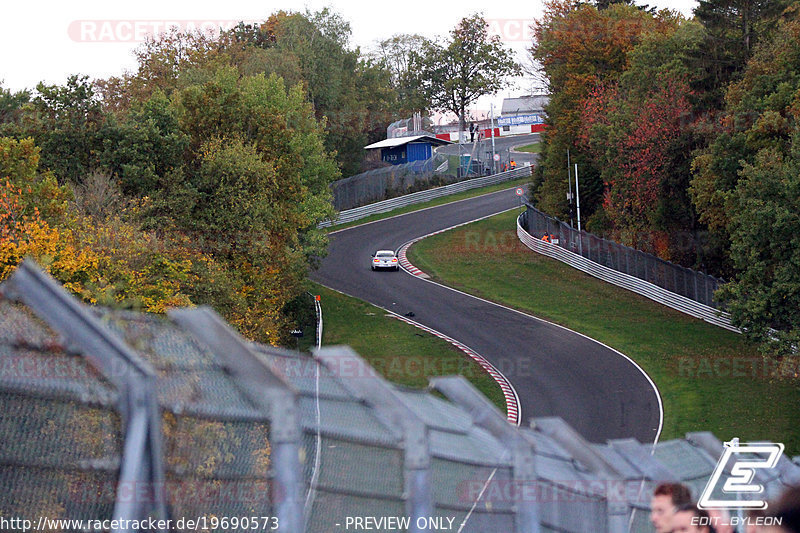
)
(497, 157)
(519, 191)
(297, 333)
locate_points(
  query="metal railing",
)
(395, 180)
(248, 430)
(384, 206)
(128, 416)
(649, 276)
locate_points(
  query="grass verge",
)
(710, 379)
(401, 352)
(437, 201)
(534, 148)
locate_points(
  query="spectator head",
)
(755, 518)
(687, 518)
(721, 520)
(666, 498)
(787, 509)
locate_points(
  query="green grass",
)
(704, 373)
(437, 201)
(401, 352)
(534, 148)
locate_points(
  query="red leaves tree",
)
(634, 138)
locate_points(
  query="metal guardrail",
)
(626, 281)
(697, 286)
(126, 416)
(142, 461)
(357, 213)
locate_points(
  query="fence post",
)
(709, 293)
(627, 260)
(486, 415)
(142, 459)
(271, 394)
(392, 407)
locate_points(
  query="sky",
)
(49, 40)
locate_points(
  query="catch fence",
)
(681, 288)
(395, 180)
(116, 415)
(697, 286)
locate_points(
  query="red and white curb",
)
(510, 395)
(406, 264)
(401, 252)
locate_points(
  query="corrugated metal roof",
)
(400, 141)
(524, 104)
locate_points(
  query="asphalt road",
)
(554, 371)
(501, 144)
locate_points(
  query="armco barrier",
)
(626, 281)
(350, 215)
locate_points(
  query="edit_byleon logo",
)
(738, 491)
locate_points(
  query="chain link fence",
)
(398, 180)
(395, 180)
(686, 282)
(349, 215)
(116, 415)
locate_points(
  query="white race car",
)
(384, 259)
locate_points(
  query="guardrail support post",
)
(271, 394)
(391, 406)
(487, 416)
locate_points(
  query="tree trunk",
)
(462, 123)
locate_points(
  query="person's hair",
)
(787, 508)
(698, 513)
(678, 493)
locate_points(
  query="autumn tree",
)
(745, 188)
(470, 64)
(733, 29)
(351, 94)
(110, 262)
(759, 113)
(399, 54)
(251, 190)
(64, 120)
(639, 130)
(11, 103)
(764, 297)
(142, 147)
(579, 48)
(19, 167)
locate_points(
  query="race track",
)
(555, 372)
